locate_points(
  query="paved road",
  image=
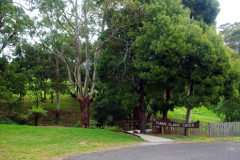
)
(192, 151)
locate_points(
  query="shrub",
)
(93, 124)
(37, 112)
(6, 120)
(113, 128)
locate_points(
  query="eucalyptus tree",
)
(14, 23)
(231, 35)
(81, 22)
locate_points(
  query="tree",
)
(116, 69)
(205, 10)
(204, 71)
(37, 112)
(159, 50)
(12, 82)
(229, 105)
(13, 24)
(80, 23)
(231, 35)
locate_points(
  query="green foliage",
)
(6, 120)
(37, 111)
(111, 105)
(13, 23)
(231, 35)
(113, 128)
(78, 124)
(229, 105)
(118, 81)
(206, 10)
(206, 68)
(170, 52)
(93, 124)
(181, 61)
(228, 109)
(160, 49)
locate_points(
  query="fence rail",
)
(224, 129)
(193, 131)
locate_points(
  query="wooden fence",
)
(132, 124)
(180, 131)
(225, 129)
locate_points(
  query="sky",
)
(229, 13)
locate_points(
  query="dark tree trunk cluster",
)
(84, 107)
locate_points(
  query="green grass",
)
(198, 114)
(66, 102)
(200, 139)
(28, 142)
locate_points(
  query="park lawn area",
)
(200, 139)
(29, 142)
(198, 114)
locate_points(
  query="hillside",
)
(198, 114)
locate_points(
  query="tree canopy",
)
(231, 35)
(14, 23)
(205, 10)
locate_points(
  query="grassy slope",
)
(66, 102)
(71, 110)
(27, 142)
(198, 114)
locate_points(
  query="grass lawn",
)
(198, 114)
(29, 142)
(200, 139)
(66, 102)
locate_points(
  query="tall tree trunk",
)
(167, 97)
(188, 120)
(136, 117)
(58, 105)
(164, 115)
(52, 97)
(37, 100)
(45, 94)
(57, 91)
(84, 107)
(142, 107)
(36, 120)
(189, 113)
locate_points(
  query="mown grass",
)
(198, 114)
(199, 139)
(28, 142)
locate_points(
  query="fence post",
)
(125, 125)
(209, 130)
